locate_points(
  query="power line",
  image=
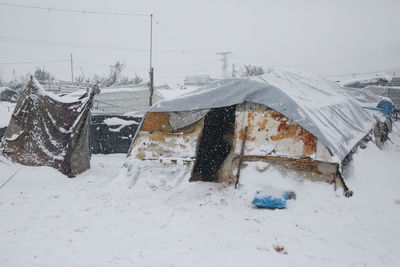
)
(68, 44)
(361, 73)
(77, 11)
(188, 66)
(81, 45)
(92, 63)
(32, 62)
(105, 65)
(173, 39)
(343, 61)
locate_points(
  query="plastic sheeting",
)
(317, 105)
(272, 199)
(182, 119)
(47, 130)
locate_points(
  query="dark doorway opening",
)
(215, 143)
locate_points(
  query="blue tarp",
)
(386, 107)
(270, 200)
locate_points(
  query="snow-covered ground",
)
(47, 219)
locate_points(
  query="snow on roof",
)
(391, 92)
(121, 101)
(174, 93)
(365, 78)
(204, 79)
(65, 99)
(316, 104)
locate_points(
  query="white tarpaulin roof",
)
(316, 104)
(121, 101)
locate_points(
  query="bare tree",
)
(80, 79)
(115, 72)
(42, 75)
(103, 81)
(251, 70)
(125, 80)
(137, 79)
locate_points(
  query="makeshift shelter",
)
(8, 94)
(391, 92)
(47, 130)
(294, 120)
(116, 114)
(379, 107)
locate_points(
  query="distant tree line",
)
(115, 77)
(251, 70)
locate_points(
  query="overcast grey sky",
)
(319, 36)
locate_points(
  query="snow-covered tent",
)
(47, 130)
(8, 94)
(116, 114)
(392, 92)
(293, 119)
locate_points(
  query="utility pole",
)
(151, 73)
(72, 69)
(83, 74)
(224, 59)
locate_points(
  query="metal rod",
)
(151, 72)
(241, 156)
(151, 39)
(72, 70)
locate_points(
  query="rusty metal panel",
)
(273, 138)
(272, 134)
(159, 143)
(156, 121)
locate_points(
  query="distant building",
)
(371, 79)
(393, 92)
(379, 81)
(395, 81)
(63, 87)
(197, 80)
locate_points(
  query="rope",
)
(79, 11)
(9, 179)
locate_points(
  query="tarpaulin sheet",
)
(316, 104)
(49, 130)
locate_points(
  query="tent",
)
(288, 118)
(386, 91)
(47, 130)
(8, 94)
(116, 114)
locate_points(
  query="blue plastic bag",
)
(272, 199)
(386, 107)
